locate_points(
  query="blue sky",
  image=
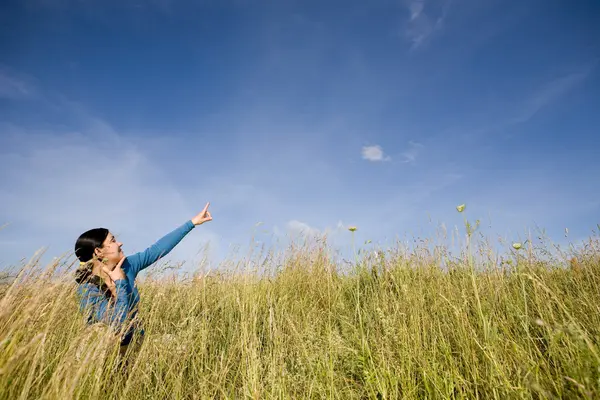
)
(306, 116)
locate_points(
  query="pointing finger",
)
(206, 207)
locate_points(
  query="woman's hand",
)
(117, 272)
(203, 216)
(113, 275)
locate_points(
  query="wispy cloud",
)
(374, 154)
(530, 104)
(426, 17)
(551, 92)
(416, 8)
(410, 155)
(65, 182)
(14, 86)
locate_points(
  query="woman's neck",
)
(97, 268)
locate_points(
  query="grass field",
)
(394, 326)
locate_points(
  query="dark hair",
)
(85, 246)
(88, 242)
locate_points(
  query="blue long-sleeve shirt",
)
(95, 303)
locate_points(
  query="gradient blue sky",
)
(307, 116)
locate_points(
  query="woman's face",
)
(111, 250)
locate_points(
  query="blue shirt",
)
(98, 306)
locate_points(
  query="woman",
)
(106, 278)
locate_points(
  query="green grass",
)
(396, 326)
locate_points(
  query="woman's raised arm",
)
(140, 261)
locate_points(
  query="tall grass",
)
(395, 326)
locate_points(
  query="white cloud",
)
(336, 236)
(374, 153)
(295, 228)
(300, 228)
